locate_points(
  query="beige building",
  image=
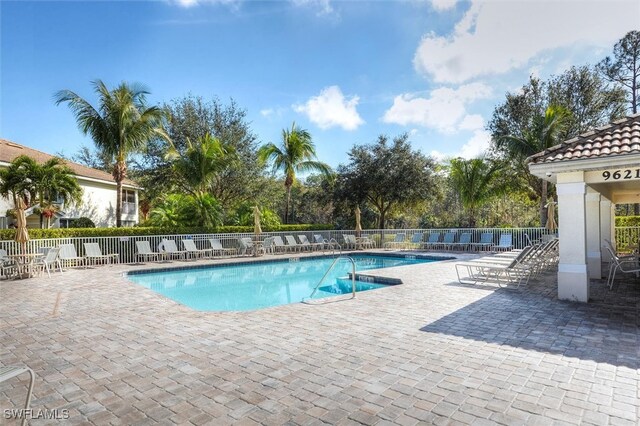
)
(593, 172)
(98, 193)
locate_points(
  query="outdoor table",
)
(24, 263)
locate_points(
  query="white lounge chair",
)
(190, 247)
(49, 261)
(93, 254)
(145, 252)
(280, 246)
(501, 271)
(170, 248)
(69, 256)
(365, 243)
(306, 244)
(216, 247)
(245, 246)
(292, 243)
(268, 245)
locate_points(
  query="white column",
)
(594, 257)
(607, 222)
(573, 281)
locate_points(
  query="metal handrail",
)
(333, 264)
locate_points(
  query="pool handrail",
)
(333, 264)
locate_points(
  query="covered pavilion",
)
(593, 172)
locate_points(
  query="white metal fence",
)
(126, 246)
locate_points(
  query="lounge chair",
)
(93, 254)
(505, 243)
(10, 372)
(293, 243)
(432, 241)
(280, 246)
(145, 252)
(216, 247)
(268, 245)
(365, 243)
(501, 271)
(190, 247)
(48, 261)
(305, 243)
(398, 242)
(448, 241)
(416, 240)
(486, 241)
(170, 249)
(245, 246)
(69, 256)
(349, 241)
(463, 243)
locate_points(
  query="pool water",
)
(259, 285)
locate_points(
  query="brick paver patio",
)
(428, 351)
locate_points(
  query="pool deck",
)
(429, 351)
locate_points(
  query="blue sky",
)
(346, 71)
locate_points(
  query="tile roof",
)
(10, 150)
(617, 138)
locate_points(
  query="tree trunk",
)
(119, 174)
(383, 213)
(286, 206)
(636, 209)
(543, 203)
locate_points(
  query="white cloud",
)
(472, 122)
(441, 5)
(476, 146)
(331, 108)
(443, 110)
(267, 112)
(494, 37)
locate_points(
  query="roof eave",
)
(549, 170)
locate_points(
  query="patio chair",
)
(464, 241)
(93, 254)
(216, 247)
(625, 265)
(416, 240)
(268, 245)
(48, 261)
(432, 241)
(349, 241)
(245, 246)
(145, 252)
(8, 266)
(69, 256)
(170, 249)
(365, 243)
(501, 271)
(190, 247)
(486, 241)
(305, 243)
(505, 243)
(398, 242)
(9, 372)
(279, 245)
(448, 241)
(293, 243)
(612, 249)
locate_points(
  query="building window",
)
(66, 222)
(128, 201)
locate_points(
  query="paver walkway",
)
(428, 351)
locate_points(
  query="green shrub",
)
(82, 222)
(8, 234)
(627, 220)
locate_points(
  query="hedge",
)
(627, 220)
(8, 234)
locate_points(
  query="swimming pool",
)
(257, 285)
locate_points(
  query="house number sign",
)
(621, 174)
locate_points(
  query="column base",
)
(573, 283)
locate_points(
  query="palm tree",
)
(476, 181)
(120, 125)
(545, 132)
(200, 163)
(296, 154)
(47, 184)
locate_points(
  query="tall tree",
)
(296, 154)
(476, 181)
(385, 175)
(120, 125)
(198, 165)
(624, 67)
(544, 133)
